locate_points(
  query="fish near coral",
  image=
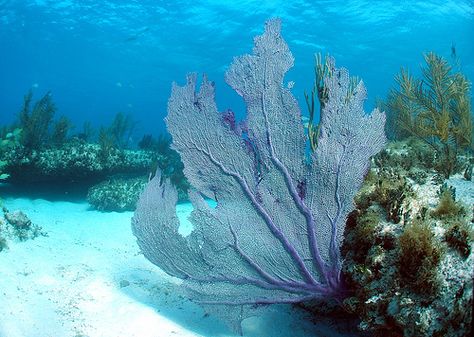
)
(275, 234)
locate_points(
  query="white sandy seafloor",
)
(87, 278)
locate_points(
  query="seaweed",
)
(361, 234)
(419, 257)
(322, 70)
(106, 143)
(391, 191)
(435, 109)
(36, 121)
(61, 129)
(448, 208)
(121, 129)
(459, 236)
(87, 132)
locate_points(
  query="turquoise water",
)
(98, 58)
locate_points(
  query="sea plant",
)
(61, 128)
(121, 129)
(390, 190)
(448, 208)
(436, 109)
(322, 70)
(36, 121)
(275, 234)
(419, 257)
(106, 144)
(460, 236)
(87, 133)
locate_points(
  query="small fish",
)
(137, 35)
(453, 50)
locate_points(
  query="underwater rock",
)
(18, 226)
(384, 260)
(17, 219)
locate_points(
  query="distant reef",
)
(40, 150)
(73, 162)
(114, 178)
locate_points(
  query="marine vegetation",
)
(436, 109)
(460, 237)
(121, 130)
(87, 133)
(411, 275)
(60, 130)
(391, 192)
(35, 121)
(448, 207)
(276, 232)
(419, 257)
(116, 136)
(38, 125)
(322, 70)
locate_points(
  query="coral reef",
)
(410, 275)
(74, 161)
(275, 234)
(119, 194)
(11, 139)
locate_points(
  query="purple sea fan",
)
(271, 238)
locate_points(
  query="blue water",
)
(101, 57)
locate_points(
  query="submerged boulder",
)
(16, 225)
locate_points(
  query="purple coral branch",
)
(266, 217)
(333, 251)
(283, 284)
(249, 260)
(262, 301)
(310, 222)
(293, 287)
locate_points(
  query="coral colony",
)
(275, 234)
